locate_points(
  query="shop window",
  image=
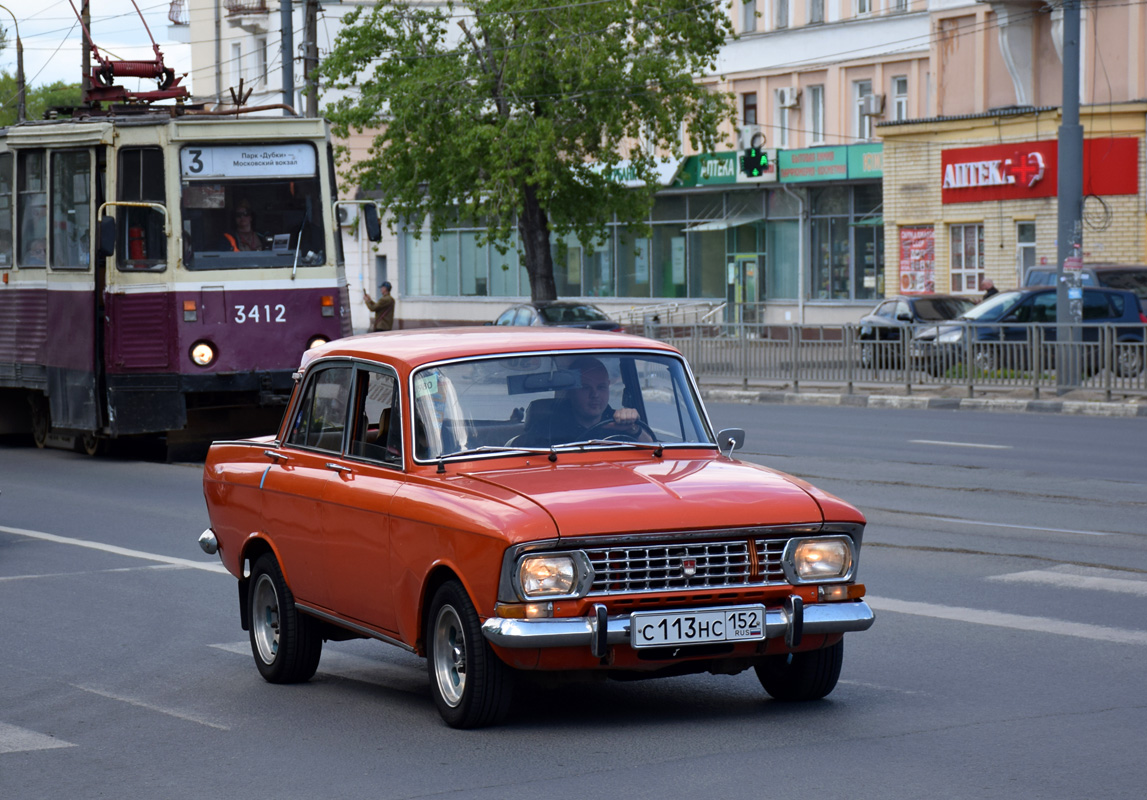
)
(782, 242)
(668, 209)
(667, 268)
(633, 257)
(505, 272)
(71, 209)
(474, 266)
(32, 209)
(868, 256)
(830, 259)
(418, 265)
(967, 258)
(444, 260)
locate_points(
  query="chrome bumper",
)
(792, 621)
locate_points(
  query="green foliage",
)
(37, 99)
(514, 112)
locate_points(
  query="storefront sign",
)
(717, 168)
(866, 161)
(813, 164)
(917, 260)
(1030, 169)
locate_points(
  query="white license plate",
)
(740, 624)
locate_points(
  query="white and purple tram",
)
(159, 272)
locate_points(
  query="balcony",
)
(250, 15)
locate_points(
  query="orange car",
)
(504, 500)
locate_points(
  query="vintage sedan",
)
(502, 502)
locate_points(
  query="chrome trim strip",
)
(819, 618)
(342, 623)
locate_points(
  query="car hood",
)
(662, 495)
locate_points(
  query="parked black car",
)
(563, 314)
(880, 329)
(1132, 277)
(1015, 330)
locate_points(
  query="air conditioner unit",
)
(751, 136)
(347, 214)
(789, 98)
(872, 105)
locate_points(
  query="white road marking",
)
(1008, 525)
(880, 688)
(207, 566)
(365, 670)
(86, 572)
(962, 444)
(1017, 622)
(131, 701)
(20, 740)
(1069, 576)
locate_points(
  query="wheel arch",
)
(439, 575)
(253, 549)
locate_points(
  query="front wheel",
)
(797, 677)
(471, 686)
(286, 643)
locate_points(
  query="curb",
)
(998, 405)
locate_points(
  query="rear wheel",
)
(41, 419)
(796, 677)
(286, 643)
(90, 444)
(471, 686)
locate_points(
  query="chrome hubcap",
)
(265, 618)
(449, 656)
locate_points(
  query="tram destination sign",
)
(213, 162)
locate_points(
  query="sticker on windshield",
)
(426, 384)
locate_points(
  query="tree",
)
(514, 113)
(37, 99)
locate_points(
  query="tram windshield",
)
(249, 206)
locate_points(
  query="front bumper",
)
(792, 621)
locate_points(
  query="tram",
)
(161, 271)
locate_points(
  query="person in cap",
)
(383, 308)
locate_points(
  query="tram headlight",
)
(203, 354)
(315, 341)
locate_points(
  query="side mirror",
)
(370, 220)
(904, 317)
(730, 439)
(105, 244)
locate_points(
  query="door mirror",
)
(904, 317)
(105, 245)
(730, 439)
(370, 220)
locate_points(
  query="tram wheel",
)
(90, 444)
(41, 419)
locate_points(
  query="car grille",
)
(683, 566)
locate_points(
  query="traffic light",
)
(754, 162)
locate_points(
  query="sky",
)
(53, 40)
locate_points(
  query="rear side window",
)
(1097, 305)
(1132, 280)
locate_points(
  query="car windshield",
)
(559, 314)
(554, 400)
(938, 308)
(993, 308)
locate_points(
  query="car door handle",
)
(336, 467)
(276, 456)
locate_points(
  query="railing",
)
(669, 314)
(1107, 358)
(177, 12)
(235, 7)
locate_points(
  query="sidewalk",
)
(1080, 401)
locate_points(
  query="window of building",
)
(261, 60)
(1025, 249)
(782, 13)
(863, 7)
(782, 120)
(816, 114)
(236, 64)
(900, 98)
(815, 11)
(967, 257)
(71, 209)
(749, 108)
(749, 16)
(862, 90)
(900, 5)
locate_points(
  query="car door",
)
(357, 503)
(296, 480)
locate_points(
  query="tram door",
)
(743, 289)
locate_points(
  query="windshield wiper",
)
(656, 447)
(496, 448)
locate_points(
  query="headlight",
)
(951, 337)
(315, 341)
(818, 560)
(547, 576)
(202, 354)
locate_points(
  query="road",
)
(1006, 556)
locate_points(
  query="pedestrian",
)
(383, 309)
(989, 288)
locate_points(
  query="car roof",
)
(417, 346)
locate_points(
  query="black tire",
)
(41, 419)
(471, 686)
(90, 444)
(798, 677)
(286, 643)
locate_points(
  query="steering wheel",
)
(620, 437)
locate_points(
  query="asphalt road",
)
(1006, 556)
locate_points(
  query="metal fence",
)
(1106, 358)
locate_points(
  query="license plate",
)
(700, 626)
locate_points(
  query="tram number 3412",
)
(276, 313)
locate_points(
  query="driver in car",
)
(584, 412)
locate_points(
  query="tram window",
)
(31, 209)
(5, 210)
(142, 243)
(71, 209)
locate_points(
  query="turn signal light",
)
(189, 312)
(328, 305)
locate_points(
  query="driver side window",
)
(320, 418)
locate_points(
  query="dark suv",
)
(1014, 330)
(1132, 277)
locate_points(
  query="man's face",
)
(590, 399)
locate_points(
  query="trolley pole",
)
(86, 61)
(311, 55)
(1069, 241)
(286, 22)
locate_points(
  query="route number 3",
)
(257, 313)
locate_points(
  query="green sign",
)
(709, 169)
(813, 164)
(754, 162)
(866, 161)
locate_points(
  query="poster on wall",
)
(917, 260)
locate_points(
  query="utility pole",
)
(20, 112)
(311, 56)
(86, 63)
(1069, 240)
(286, 22)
